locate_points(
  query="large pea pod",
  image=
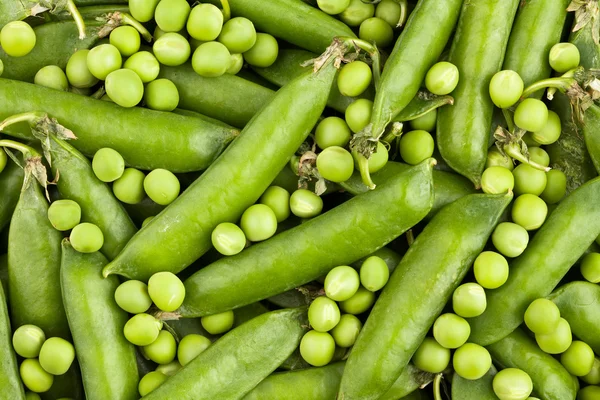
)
(11, 180)
(227, 98)
(180, 234)
(590, 133)
(77, 182)
(551, 381)
(302, 254)
(140, 135)
(567, 233)
(421, 285)
(538, 26)
(579, 303)
(478, 51)
(479, 389)
(293, 21)
(10, 381)
(106, 358)
(239, 360)
(34, 260)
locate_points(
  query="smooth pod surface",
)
(479, 389)
(10, 381)
(11, 180)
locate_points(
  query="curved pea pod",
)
(302, 254)
(106, 358)
(227, 98)
(478, 51)
(551, 381)
(585, 36)
(447, 186)
(228, 369)
(180, 234)
(10, 380)
(421, 285)
(537, 271)
(140, 135)
(11, 180)
(538, 26)
(579, 303)
(479, 389)
(293, 21)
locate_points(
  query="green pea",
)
(228, 239)
(497, 180)
(126, 39)
(354, 78)
(469, 300)
(341, 283)
(590, 267)
(317, 348)
(86, 238)
(442, 78)
(32, 396)
(161, 95)
(169, 369)
(172, 49)
(147, 220)
(3, 160)
(132, 296)
(142, 10)
(211, 59)
(142, 329)
(124, 87)
(323, 314)
(108, 164)
(129, 188)
(529, 211)
(425, 122)
(358, 114)
(531, 115)
(190, 347)
(258, 222)
(144, 64)
(589, 393)
(34, 376)
(359, 303)
(578, 359)
(510, 239)
(539, 155)
(264, 52)
(150, 382)
(556, 186)
(51, 76)
(431, 356)
(529, 180)
(557, 341)
(471, 361)
(163, 349)
(374, 273)
(172, 15)
(491, 270)
(56, 355)
(104, 59)
(357, 12)
(550, 132)
(218, 323)
(278, 199)
(497, 159)
(77, 70)
(593, 377)
(158, 33)
(416, 146)
(333, 7)
(17, 38)
(377, 159)
(235, 64)
(238, 35)
(166, 291)
(377, 31)
(335, 164)
(563, 57)
(346, 331)
(205, 22)
(512, 384)
(451, 331)
(64, 214)
(389, 11)
(1, 67)
(332, 131)
(305, 204)
(506, 87)
(162, 186)
(28, 340)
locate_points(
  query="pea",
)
(126, 39)
(161, 95)
(491, 270)
(496, 180)
(56, 355)
(238, 35)
(132, 296)
(228, 239)
(374, 273)
(431, 356)
(144, 64)
(150, 382)
(341, 283)
(332, 131)
(108, 165)
(359, 303)
(578, 359)
(142, 329)
(205, 22)
(17, 38)
(1, 67)
(124, 87)
(35, 377)
(172, 49)
(317, 348)
(86, 238)
(3, 160)
(258, 222)
(506, 87)
(211, 59)
(147, 220)
(510, 239)
(425, 122)
(357, 12)
(563, 57)
(354, 78)
(542, 316)
(539, 155)
(550, 132)
(531, 115)
(169, 369)
(497, 159)
(163, 349)
(28, 340)
(190, 347)
(335, 164)
(451, 331)
(172, 15)
(556, 186)
(129, 188)
(235, 64)
(529, 211)
(333, 7)
(589, 393)
(378, 159)
(557, 341)
(358, 114)
(590, 267)
(377, 31)
(77, 70)
(51, 76)
(323, 314)
(278, 199)
(593, 377)
(346, 331)
(162, 186)
(142, 10)
(218, 323)
(512, 384)
(32, 396)
(104, 59)
(389, 11)
(264, 52)
(166, 291)
(442, 78)
(469, 300)
(529, 180)
(305, 204)
(64, 214)
(471, 361)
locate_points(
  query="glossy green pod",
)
(10, 380)
(11, 180)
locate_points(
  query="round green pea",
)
(104, 59)
(150, 382)
(442, 78)
(563, 57)
(557, 341)
(163, 349)
(451, 331)
(529, 211)
(589, 393)
(161, 95)
(264, 52)
(416, 146)
(317, 348)
(86, 238)
(529, 180)
(32, 396)
(346, 331)
(108, 165)
(35, 377)
(374, 273)
(28, 340)
(172, 49)
(236, 64)
(77, 70)
(593, 377)
(166, 291)
(378, 159)
(205, 22)
(323, 314)
(556, 186)
(491, 270)
(172, 15)
(238, 35)
(341, 283)
(258, 222)
(51, 76)
(497, 159)
(357, 12)
(469, 300)
(190, 347)
(354, 78)
(377, 31)
(126, 39)
(132, 296)
(590, 267)
(358, 114)
(124, 87)
(56, 355)
(142, 329)
(144, 64)
(305, 204)
(578, 359)
(211, 59)
(332, 131)
(64, 214)
(512, 384)
(129, 188)
(228, 239)
(431, 356)
(162, 186)
(471, 361)
(510, 239)
(359, 303)
(496, 180)
(169, 369)
(218, 323)
(425, 122)
(278, 199)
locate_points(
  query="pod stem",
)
(561, 83)
(363, 168)
(403, 13)
(226, 10)
(27, 151)
(437, 384)
(395, 132)
(33, 163)
(116, 19)
(129, 20)
(509, 119)
(72, 8)
(512, 144)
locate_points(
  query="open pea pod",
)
(479, 389)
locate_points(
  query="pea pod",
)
(138, 134)
(106, 358)
(227, 370)
(34, 255)
(246, 313)
(234, 182)
(68, 385)
(478, 51)
(11, 180)
(420, 286)
(10, 380)
(447, 186)
(551, 381)
(479, 389)
(308, 251)
(579, 303)
(293, 21)
(4, 273)
(574, 218)
(407, 385)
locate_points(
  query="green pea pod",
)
(575, 218)
(293, 21)
(590, 133)
(34, 255)
(186, 326)
(447, 186)
(420, 286)
(140, 135)
(479, 389)
(538, 26)
(68, 385)
(228, 370)
(302, 254)
(246, 313)
(10, 380)
(233, 183)
(11, 180)
(106, 358)
(585, 33)
(478, 51)
(408, 383)
(227, 98)
(17, 10)
(551, 381)
(579, 303)
(4, 273)
(146, 208)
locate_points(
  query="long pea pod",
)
(579, 304)
(302, 254)
(10, 381)
(180, 234)
(34, 254)
(547, 259)
(140, 135)
(239, 360)
(478, 52)
(106, 358)
(479, 389)
(551, 381)
(11, 181)
(419, 46)
(420, 286)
